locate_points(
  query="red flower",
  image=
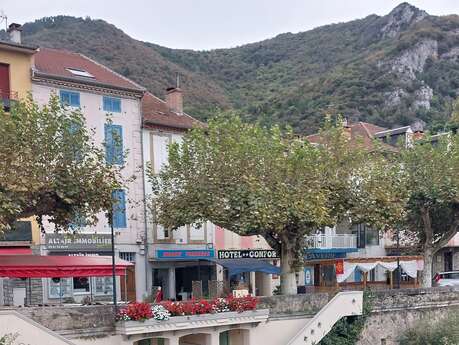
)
(137, 311)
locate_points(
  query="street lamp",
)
(110, 221)
(398, 258)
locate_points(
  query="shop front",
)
(78, 288)
(175, 270)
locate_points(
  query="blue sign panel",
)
(324, 256)
(308, 276)
(185, 254)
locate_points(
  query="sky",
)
(209, 24)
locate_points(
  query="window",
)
(119, 209)
(59, 287)
(70, 98)
(112, 104)
(80, 285)
(114, 144)
(365, 236)
(127, 256)
(80, 72)
(159, 151)
(372, 237)
(102, 286)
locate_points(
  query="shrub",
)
(136, 312)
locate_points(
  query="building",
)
(101, 94)
(352, 242)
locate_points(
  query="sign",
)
(339, 266)
(247, 254)
(308, 276)
(79, 242)
(324, 256)
(185, 254)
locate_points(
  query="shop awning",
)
(15, 251)
(37, 266)
(237, 266)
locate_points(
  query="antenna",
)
(177, 81)
(3, 17)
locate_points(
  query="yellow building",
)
(16, 62)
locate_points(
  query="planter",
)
(191, 321)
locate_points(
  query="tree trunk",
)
(427, 271)
(288, 277)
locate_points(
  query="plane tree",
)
(51, 167)
(255, 180)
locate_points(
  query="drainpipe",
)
(144, 200)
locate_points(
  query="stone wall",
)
(95, 320)
(294, 304)
(396, 311)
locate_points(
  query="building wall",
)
(129, 239)
(20, 69)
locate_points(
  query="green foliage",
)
(256, 180)
(290, 79)
(426, 332)
(348, 330)
(51, 167)
(8, 339)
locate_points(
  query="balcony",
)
(321, 241)
(7, 97)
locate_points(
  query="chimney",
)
(174, 100)
(14, 30)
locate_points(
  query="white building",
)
(100, 93)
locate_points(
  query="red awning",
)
(15, 251)
(37, 266)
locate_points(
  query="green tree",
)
(432, 202)
(51, 166)
(254, 180)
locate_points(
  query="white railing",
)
(321, 241)
(348, 303)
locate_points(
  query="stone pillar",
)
(172, 341)
(213, 338)
(253, 283)
(172, 292)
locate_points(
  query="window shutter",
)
(114, 144)
(119, 208)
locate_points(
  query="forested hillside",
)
(388, 70)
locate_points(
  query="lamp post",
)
(398, 258)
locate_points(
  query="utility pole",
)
(398, 259)
(115, 302)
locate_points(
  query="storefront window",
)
(80, 285)
(103, 285)
(60, 287)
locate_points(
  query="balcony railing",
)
(321, 241)
(7, 97)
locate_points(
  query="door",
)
(4, 81)
(448, 256)
(128, 285)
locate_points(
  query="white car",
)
(447, 278)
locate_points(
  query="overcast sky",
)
(207, 24)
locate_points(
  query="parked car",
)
(447, 278)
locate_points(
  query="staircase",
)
(346, 303)
(27, 330)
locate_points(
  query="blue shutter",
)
(69, 98)
(119, 208)
(114, 144)
(112, 104)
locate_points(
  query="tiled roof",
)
(55, 63)
(363, 131)
(157, 114)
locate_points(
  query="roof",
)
(156, 114)
(18, 47)
(55, 64)
(49, 266)
(364, 131)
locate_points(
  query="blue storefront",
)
(175, 270)
(319, 265)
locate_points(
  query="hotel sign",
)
(78, 242)
(247, 254)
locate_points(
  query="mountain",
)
(389, 70)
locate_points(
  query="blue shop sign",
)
(324, 255)
(185, 254)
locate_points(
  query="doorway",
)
(128, 285)
(448, 260)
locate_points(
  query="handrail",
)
(331, 241)
(347, 303)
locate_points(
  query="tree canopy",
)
(51, 166)
(256, 180)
